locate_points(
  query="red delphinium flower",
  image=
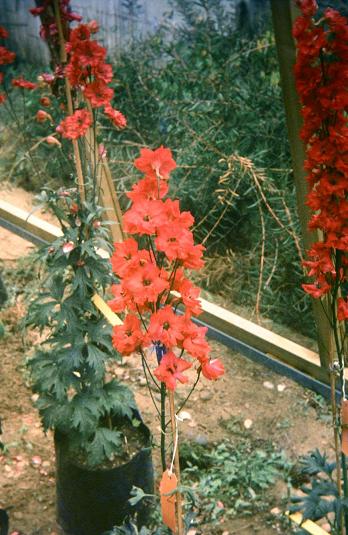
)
(342, 309)
(127, 257)
(170, 370)
(212, 369)
(24, 84)
(158, 163)
(148, 189)
(102, 72)
(3, 33)
(116, 117)
(165, 327)
(143, 218)
(6, 56)
(98, 93)
(195, 342)
(75, 125)
(128, 337)
(189, 296)
(121, 300)
(145, 284)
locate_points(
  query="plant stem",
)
(163, 426)
(180, 526)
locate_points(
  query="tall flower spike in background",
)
(321, 73)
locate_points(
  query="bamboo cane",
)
(63, 58)
(180, 526)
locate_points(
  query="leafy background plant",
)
(211, 92)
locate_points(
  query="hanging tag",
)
(167, 485)
(344, 417)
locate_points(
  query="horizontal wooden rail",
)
(224, 321)
(307, 525)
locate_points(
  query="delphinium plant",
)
(68, 369)
(322, 83)
(157, 300)
(69, 366)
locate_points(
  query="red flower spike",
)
(128, 337)
(170, 370)
(156, 163)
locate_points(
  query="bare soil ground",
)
(280, 411)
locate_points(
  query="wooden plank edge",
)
(307, 525)
(34, 225)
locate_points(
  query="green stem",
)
(163, 426)
(340, 356)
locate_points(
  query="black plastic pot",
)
(90, 502)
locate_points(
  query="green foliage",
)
(320, 497)
(68, 367)
(236, 476)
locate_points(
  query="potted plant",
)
(100, 441)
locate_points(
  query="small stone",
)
(275, 511)
(184, 415)
(206, 395)
(36, 460)
(46, 464)
(142, 381)
(192, 531)
(281, 387)
(18, 515)
(34, 398)
(248, 423)
(225, 532)
(269, 385)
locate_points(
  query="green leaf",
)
(105, 444)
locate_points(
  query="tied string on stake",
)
(171, 505)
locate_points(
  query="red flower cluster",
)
(322, 82)
(87, 70)
(75, 125)
(48, 29)
(6, 57)
(152, 280)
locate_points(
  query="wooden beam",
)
(27, 221)
(283, 14)
(307, 525)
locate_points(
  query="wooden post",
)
(283, 14)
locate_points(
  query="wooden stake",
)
(63, 58)
(180, 526)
